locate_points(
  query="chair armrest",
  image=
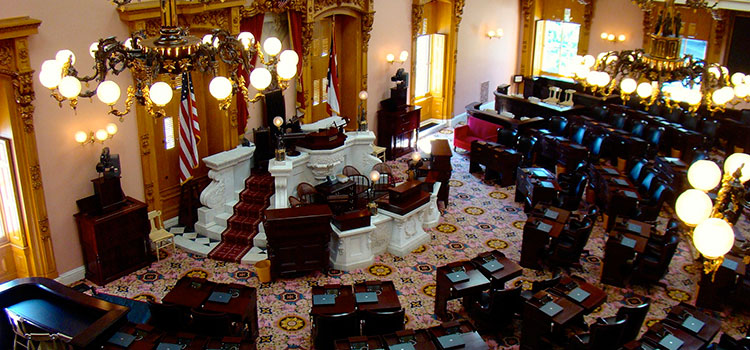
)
(461, 131)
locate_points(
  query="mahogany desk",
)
(535, 185)
(345, 301)
(472, 339)
(189, 292)
(420, 338)
(509, 271)
(596, 296)
(549, 212)
(617, 253)
(538, 324)
(361, 342)
(298, 239)
(536, 237)
(707, 332)
(386, 292)
(712, 294)
(446, 289)
(499, 162)
(146, 337)
(659, 330)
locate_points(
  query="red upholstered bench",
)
(476, 129)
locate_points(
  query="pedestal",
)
(407, 233)
(351, 249)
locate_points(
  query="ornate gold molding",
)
(23, 89)
(35, 173)
(417, 15)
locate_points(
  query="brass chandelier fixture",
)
(649, 72)
(157, 64)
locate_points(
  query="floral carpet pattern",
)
(479, 217)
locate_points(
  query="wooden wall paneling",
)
(32, 249)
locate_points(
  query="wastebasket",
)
(263, 270)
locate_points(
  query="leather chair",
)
(635, 316)
(537, 286)
(557, 125)
(507, 137)
(577, 134)
(638, 128)
(527, 147)
(709, 128)
(214, 324)
(648, 177)
(568, 247)
(497, 307)
(572, 193)
(382, 322)
(599, 112)
(649, 209)
(601, 336)
(327, 328)
(617, 120)
(635, 172)
(167, 317)
(651, 266)
(653, 136)
(350, 170)
(597, 146)
(689, 120)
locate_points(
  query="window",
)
(10, 215)
(694, 47)
(556, 44)
(168, 132)
(429, 58)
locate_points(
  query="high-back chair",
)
(158, 235)
(382, 322)
(350, 170)
(214, 324)
(601, 336)
(307, 193)
(635, 314)
(327, 328)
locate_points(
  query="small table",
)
(446, 289)
(509, 271)
(713, 290)
(471, 339)
(419, 338)
(680, 313)
(189, 292)
(660, 330)
(345, 302)
(538, 324)
(386, 292)
(596, 296)
(621, 247)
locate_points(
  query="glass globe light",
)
(128, 43)
(593, 78)
(746, 79)
(604, 79)
(735, 161)
(52, 66)
(108, 92)
(220, 88)
(111, 128)
(600, 56)
(278, 121)
(286, 70)
(704, 175)
(81, 137)
(289, 56)
(621, 37)
(260, 78)
(374, 176)
(51, 74)
(416, 156)
(644, 90)
(611, 37)
(693, 206)
(604, 35)
(62, 56)
(272, 46)
(101, 135)
(403, 56)
(589, 61)
(741, 90)
(715, 71)
(207, 39)
(390, 58)
(491, 33)
(70, 87)
(628, 85)
(247, 39)
(713, 238)
(693, 97)
(161, 93)
(723, 95)
(93, 48)
(738, 78)
(363, 95)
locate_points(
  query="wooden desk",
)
(570, 308)
(345, 301)
(658, 330)
(189, 292)
(521, 107)
(419, 338)
(146, 337)
(711, 325)
(446, 290)
(536, 237)
(713, 293)
(596, 296)
(326, 189)
(298, 239)
(632, 226)
(534, 185)
(549, 212)
(386, 292)
(498, 278)
(499, 162)
(618, 257)
(472, 339)
(361, 342)
(537, 324)
(474, 110)
(407, 206)
(398, 131)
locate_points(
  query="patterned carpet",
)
(479, 217)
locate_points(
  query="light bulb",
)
(715, 71)
(81, 137)
(220, 88)
(621, 37)
(278, 121)
(161, 93)
(108, 92)
(741, 90)
(374, 176)
(734, 161)
(416, 156)
(93, 48)
(272, 46)
(738, 78)
(713, 237)
(70, 87)
(611, 37)
(644, 90)
(289, 56)
(111, 128)
(51, 74)
(693, 206)
(247, 39)
(128, 43)
(628, 85)
(499, 32)
(101, 135)
(260, 78)
(390, 58)
(363, 95)
(693, 97)
(723, 95)
(491, 33)
(604, 79)
(592, 78)
(62, 56)
(704, 175)
(589, 61)
(207, 39)
(403, 56)
(604, 35)
(286, 70)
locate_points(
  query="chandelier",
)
(713, 235)
(657, 74)
(157, 64)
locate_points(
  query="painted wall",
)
(617, 17)
(483, 59)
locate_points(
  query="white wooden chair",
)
(379, 152)
(161, 237)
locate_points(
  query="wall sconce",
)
(401, 57)
(280, 148)
(495, 33)
(611, 37)
(100, 135)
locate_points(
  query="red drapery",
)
(295, 29)
(253, 25)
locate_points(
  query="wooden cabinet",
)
(114, 243)
(398, 131)
(298, 239)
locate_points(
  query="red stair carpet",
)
(242, 226)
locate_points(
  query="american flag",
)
(190, 132)
(333, 80)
